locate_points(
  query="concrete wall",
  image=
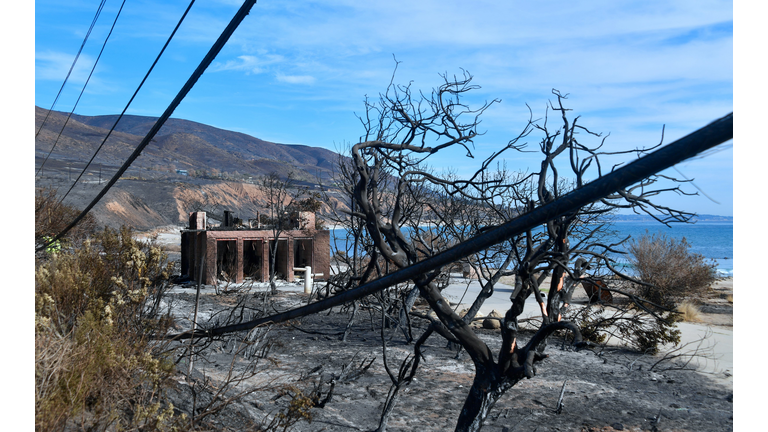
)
(197, 243)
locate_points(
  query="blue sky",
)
(297, 72)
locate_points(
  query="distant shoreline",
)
(646, 218)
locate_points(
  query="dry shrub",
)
(729, 297)
(51, 218)
(97, 367)
(689, 312)
(670, 269)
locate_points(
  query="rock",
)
(618, 426)
(493, 324)
(495, 314)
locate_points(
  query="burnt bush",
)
(629, 325)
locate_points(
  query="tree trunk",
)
(355, 307)
(404, 324)
(389, 405)
(272, 270)
(487, 387)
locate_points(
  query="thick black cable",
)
(668, 156)
(129, 102)
(84, 86)
(217, 46)
(87, 35)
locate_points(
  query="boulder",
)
(493, 321)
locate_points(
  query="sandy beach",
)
(712, 335)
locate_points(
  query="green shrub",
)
(670, 269)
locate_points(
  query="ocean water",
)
(713, 240)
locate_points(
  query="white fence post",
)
(307, 277)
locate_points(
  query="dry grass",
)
(729, 297)
(51, 218)
(690, 312)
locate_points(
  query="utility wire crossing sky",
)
(297, 72)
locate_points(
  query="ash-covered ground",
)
(605, 390)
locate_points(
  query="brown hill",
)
(218, 147)
(221, 164)
(182, 143)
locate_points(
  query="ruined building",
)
(233, 252)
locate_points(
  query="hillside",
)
(217, 148)
(222, 166)
(180, 144)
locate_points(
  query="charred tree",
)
(394, 187)
(277, 193)
(548, 220)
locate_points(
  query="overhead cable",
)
(83, 89)
(207, 60)
(130, 101)
(87, 35)
(668, 156)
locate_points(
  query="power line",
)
(217, 46)
(130, 101)
(87, 35)
(84, 86)
(689, 146)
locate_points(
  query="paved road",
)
(714, 342)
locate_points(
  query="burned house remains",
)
(234, 252)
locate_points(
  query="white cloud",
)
(247, 63)
(629, 66)
(511, 48)
(408, 24)
(295, 79)
(54, 66)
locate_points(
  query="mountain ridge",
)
(216, 160)
(212, 156)
(186, 143)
